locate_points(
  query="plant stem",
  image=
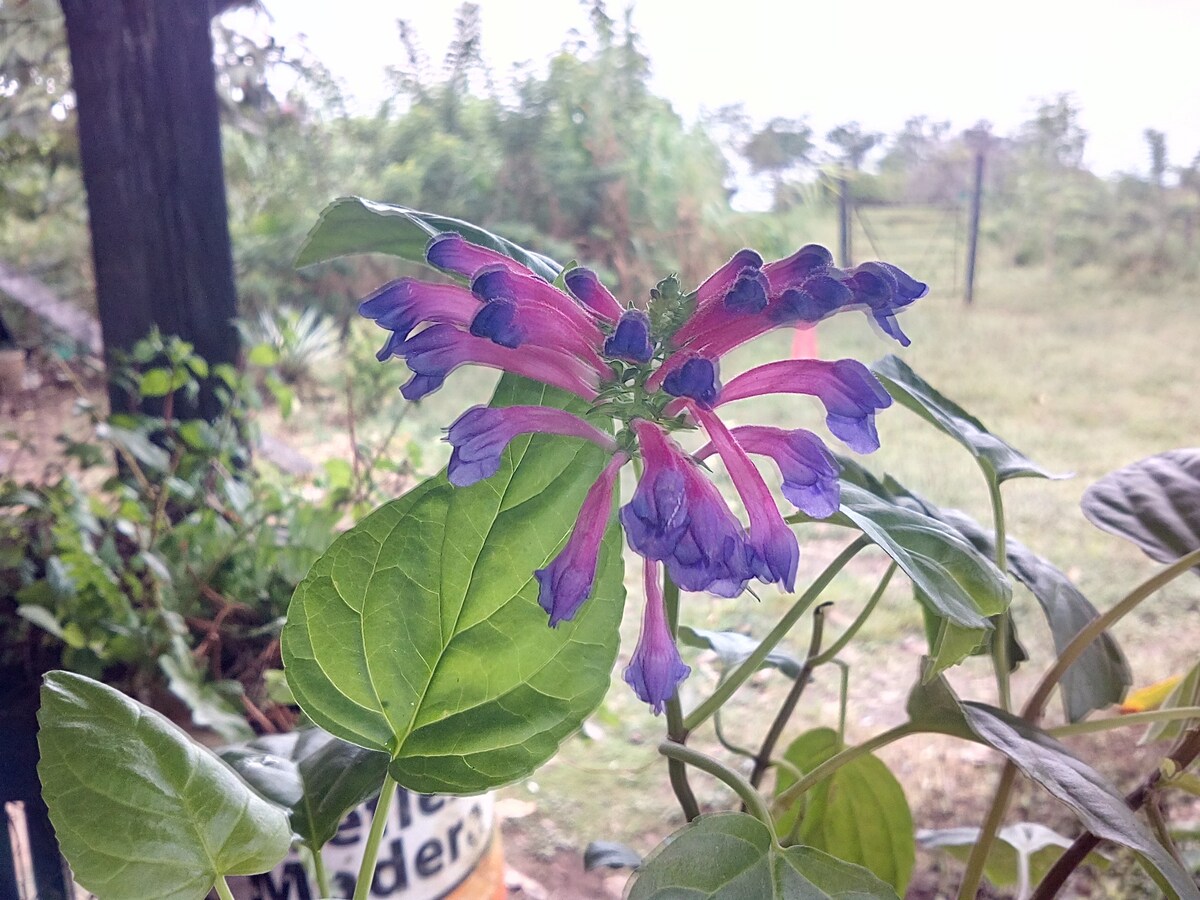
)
(366, 871)
(222, 887)
(322, 876)
(763, 757)
(831, 765)
(1128, 720)
(676, 732)
(1036, 705)
(1003, 622)
(751, 798)
(846, 636)
(750, 664)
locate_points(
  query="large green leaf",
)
(1022, 854)
(315, 776)
(1101, 675)
(732, 856)
(1099, 806)
(418, 633)
(999, 460)
(140, 810)
(355, 225)
(732, 647)
(859, 814)
(956, 580)
(1154, 502)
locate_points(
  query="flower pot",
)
(433, 847)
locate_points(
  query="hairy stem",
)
(366, 871)
(750, 664)
(751, 798)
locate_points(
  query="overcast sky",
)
(1129, 65)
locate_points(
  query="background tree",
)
(777, 149)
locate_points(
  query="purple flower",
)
(776, 553)
(676, 515)
(630, 340)
(512, 323)
(587, 288)
(451, 252)
(566, 583)
(810, 472)
(401, 305)
(656, 669)
(526, 290)
(850, 393)
(696, 378)
(440, 349)
(480, 435)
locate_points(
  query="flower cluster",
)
(653, 372)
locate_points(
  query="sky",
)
(1128, 65)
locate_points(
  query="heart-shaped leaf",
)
(1099, 806)
(732, 647)
(140, 810)
(355, 225)
(315, 776)
(1024, 847)
(1101, 675)
(999, 460)
(859, 814)
(1154, 502)
(732, 856)
(419, 634)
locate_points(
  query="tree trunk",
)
(150, 147)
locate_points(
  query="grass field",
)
(1083, 372)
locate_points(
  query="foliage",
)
(411, 638)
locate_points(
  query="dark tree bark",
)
(150, 148)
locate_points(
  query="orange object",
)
(1150, 697)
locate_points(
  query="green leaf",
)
(732, 647)
(139, 809)
(1101, 675)
(1025, 845)
(136, 445)
(155, 383)
(418, 633)
(999, 460)
(952, 577)
(1154, 502)
(1186, 693)
(355, 225)
(1099, 806)
(262, 355)
(209, 708)
(315, 776)
(859, 814)
(732, 856)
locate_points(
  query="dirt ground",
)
(947, 781)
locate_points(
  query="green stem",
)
(831, 765)
(676, 770)
(322, 876)
(1003, 623)
(1036, 705)
(837, 646)
(366, 871)
(726, 742)
(750, 664)
(222, 887)
(763, 757)
(750, 797)
(1128, 720)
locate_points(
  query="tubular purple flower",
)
(511, 323)
(850, 393)
(735, 290)
(696, 378)
(790, 271)
(403, 304)
(498, 283)
(656, 668)
(451, 252)
(480, 435)
(589, 291)
(776, 552)
(810, 471)
(677, 516)
(630, 340)
(440, 349)
(566, 583)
